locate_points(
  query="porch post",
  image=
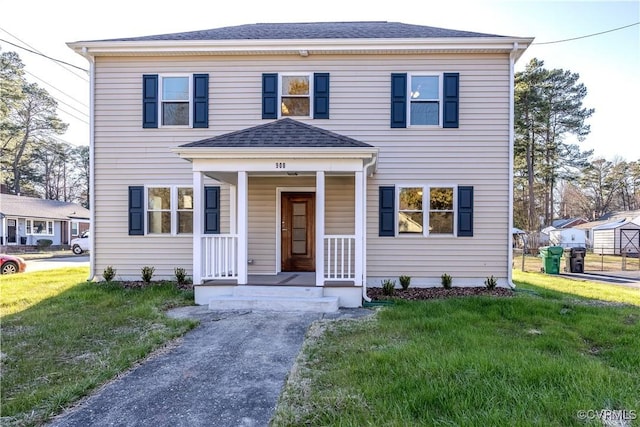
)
(198, 196)
(359, 228)
(320, 228)
(233, 217)
(243, 227)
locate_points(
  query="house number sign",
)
(281, 165)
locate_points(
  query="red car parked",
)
(10, 264)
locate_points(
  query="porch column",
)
(198, 220)
(360, 222)
(243, 227)
(320, 228)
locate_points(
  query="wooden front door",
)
(298, 235)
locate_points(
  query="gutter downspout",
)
(512, 62)
(372, 162)
(92, 197)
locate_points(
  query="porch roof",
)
(283, 133)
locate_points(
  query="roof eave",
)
(190, 153)
(309, 46)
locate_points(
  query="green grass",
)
(577, 287)
(532, 360)
(62, 337)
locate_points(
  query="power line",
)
(588, 35)
(62, 92)
(45, 56)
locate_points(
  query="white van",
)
(81, 244)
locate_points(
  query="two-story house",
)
(293, 161)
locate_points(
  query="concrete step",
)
(274, 303)
(278, 291)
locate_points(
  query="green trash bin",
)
(551, 256)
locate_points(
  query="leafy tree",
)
(548, 109)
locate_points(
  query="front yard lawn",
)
(536, 359)
(62, 337)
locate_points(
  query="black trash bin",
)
(575, 260)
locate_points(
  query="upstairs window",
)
(175, 100)
(425, 100)
(295, 97)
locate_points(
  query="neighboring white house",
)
(617, 237)
(339, 154)
(25, 220)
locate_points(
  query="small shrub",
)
(491, 282)
(181, 275)
(445, 279)
(388, 287)
(109, 273)
(405, 281)
(147, 274)
(44, 243)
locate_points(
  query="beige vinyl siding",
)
(475, 154)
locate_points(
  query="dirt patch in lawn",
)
(434, 293)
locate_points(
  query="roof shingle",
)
(281, 133)
(314, 30)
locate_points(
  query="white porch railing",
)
(339, 257)
(220, 256)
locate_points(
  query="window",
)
(39, 227)
(295, 96)
(410, 215)
(74, 228)
(417, 215)
(424, 99)
(441, 210)
(169, 210)
(174, 100)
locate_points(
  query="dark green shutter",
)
(269, 96)
(465, 211)
(399, 100)
(387, 212)
(211, 210)
(150, 101)
(451, 100)
(201, 100)
(136, 211)
(321, 96)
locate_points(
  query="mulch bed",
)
(437, 293)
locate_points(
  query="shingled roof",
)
(281, 133)
(31, 207)
(315, 30)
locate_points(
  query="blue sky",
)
(608, 64)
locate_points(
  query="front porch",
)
(297, 208)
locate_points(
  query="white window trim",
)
(161, 100)
(29, 227)
(173, 194)
(311, 91)
(426, 190)
(77, 227)
(440, 76)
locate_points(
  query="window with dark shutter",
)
(387, 212)
(399, 100)
(211, 210)
(136, 211)
(270, 96)
(465, 211)
(200, 100)
(321, 96)
(450, 100)
(150, 101)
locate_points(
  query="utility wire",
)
(64, 93)
(43, 55)
(588, 35)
